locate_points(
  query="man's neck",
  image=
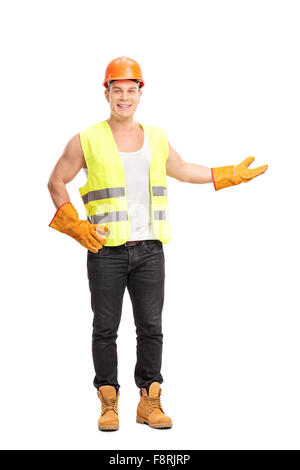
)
(122, 126)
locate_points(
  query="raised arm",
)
(186, 172)
(222, 177)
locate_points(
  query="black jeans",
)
(140, 268)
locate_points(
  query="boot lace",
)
(109, 404)
(155, 403)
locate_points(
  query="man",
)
(127, 224)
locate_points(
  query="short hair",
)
(109, 82)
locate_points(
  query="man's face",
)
(123, 97)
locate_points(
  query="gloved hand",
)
(66, 221)
(225, 176)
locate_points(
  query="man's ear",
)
(106, 94)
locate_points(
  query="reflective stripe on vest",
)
(160, 215)
(159, 191)
(104, 193)
(108, 217)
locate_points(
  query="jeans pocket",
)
(153, 246)
(102, 252)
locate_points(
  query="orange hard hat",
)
(123, 68)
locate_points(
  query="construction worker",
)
(126, 202)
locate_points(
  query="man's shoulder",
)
(154, 129)
(94, 127)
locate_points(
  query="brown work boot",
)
(109, 420)
(149, 410)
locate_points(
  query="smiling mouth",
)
(124, 106)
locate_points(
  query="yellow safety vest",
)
(104, 194)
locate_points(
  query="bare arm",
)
(65, 170)
(186, 172)
(222, 177)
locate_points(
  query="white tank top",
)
(137, 166)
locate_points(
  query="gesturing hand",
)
(246, 174)
(225, 176)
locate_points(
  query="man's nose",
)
(124, 96)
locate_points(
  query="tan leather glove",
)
(66, 221)
(225, 176)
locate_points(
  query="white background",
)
(222, 79)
